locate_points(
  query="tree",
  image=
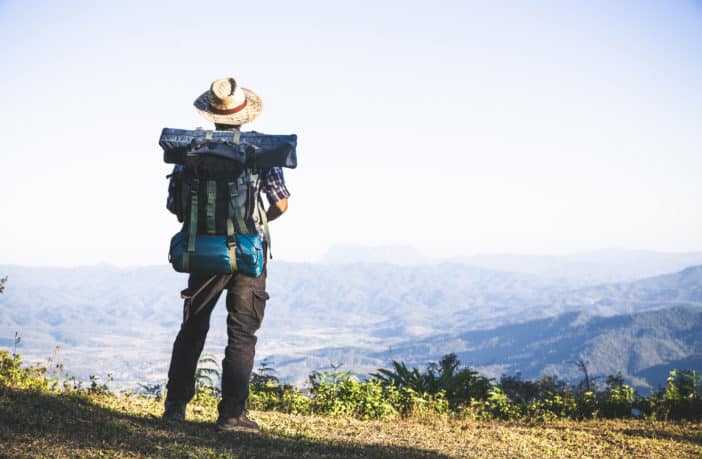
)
(264, 376)
(614, 381)
(683, 384)
(204, 373)
(17, 338)
(588, 382)
(401, 377)
(519, 390)
(459, 383)
(333, 376)
(16, 341)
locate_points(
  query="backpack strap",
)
(233, 214)
(231, 244)
(184, 196)
(264, 219)
(211, 201)
(250, 181)
(258, 208)
(192, 229)
(234, 209)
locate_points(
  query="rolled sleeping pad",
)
(269, 150)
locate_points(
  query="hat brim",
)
(254, 106)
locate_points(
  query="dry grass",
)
(48, 425)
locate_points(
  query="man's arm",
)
(273, 185)
(277, 209)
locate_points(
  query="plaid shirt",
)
(273, 184)
(270, 181)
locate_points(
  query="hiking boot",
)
(175, 411)
(239, 424)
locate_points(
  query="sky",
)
(454, 127)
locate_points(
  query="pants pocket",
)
(259, 303)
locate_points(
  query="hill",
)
(579, 269)
(644, 347)
(630, 343)
(590, 268)
(127, 318)
(682, 288)
(355, 314)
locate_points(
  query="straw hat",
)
(228, 103)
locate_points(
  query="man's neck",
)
(227, 127)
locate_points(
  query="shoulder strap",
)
(211, 201)
(192, 225)
(264, 219)
(234, 209)
(192, 229)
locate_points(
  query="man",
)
(228, 106)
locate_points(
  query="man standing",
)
(228, 106)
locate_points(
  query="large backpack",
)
(212, 193)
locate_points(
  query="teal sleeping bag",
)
(212, 254)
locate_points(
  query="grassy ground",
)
(41, 424)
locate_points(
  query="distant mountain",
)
(103, 318)
(682, 288)
(393, 254)
(589, 268)
(447, 300)
(643, 346)
(126, 319)
(630, 343)
(578, 269)
(658, 374)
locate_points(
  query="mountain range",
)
(643, 347)
(580, 269)
(362, 315)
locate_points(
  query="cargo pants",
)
(246, 302)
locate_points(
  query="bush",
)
(681, 398)
(501, 406)
(13, 375)
(350, 397)
(456, 384)
(275, 397)
(443, 389)
(618, 402)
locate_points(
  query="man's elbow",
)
(282, 205)
(277, 209)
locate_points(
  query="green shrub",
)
(618, 402)
(364, 400)
(294, 402)
(457, 384)
(411, 404)
(681, 398)
(443, 389)
(501, 406)
(206, 397)
(275, 397)
(586, 406)
(12, 374)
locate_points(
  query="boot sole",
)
(220, 428)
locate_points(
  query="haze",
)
(453, 127)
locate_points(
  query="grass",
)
(45, 424)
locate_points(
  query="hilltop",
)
(39, 423)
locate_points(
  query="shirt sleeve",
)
(273, 184)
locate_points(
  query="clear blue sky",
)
(455, 127)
